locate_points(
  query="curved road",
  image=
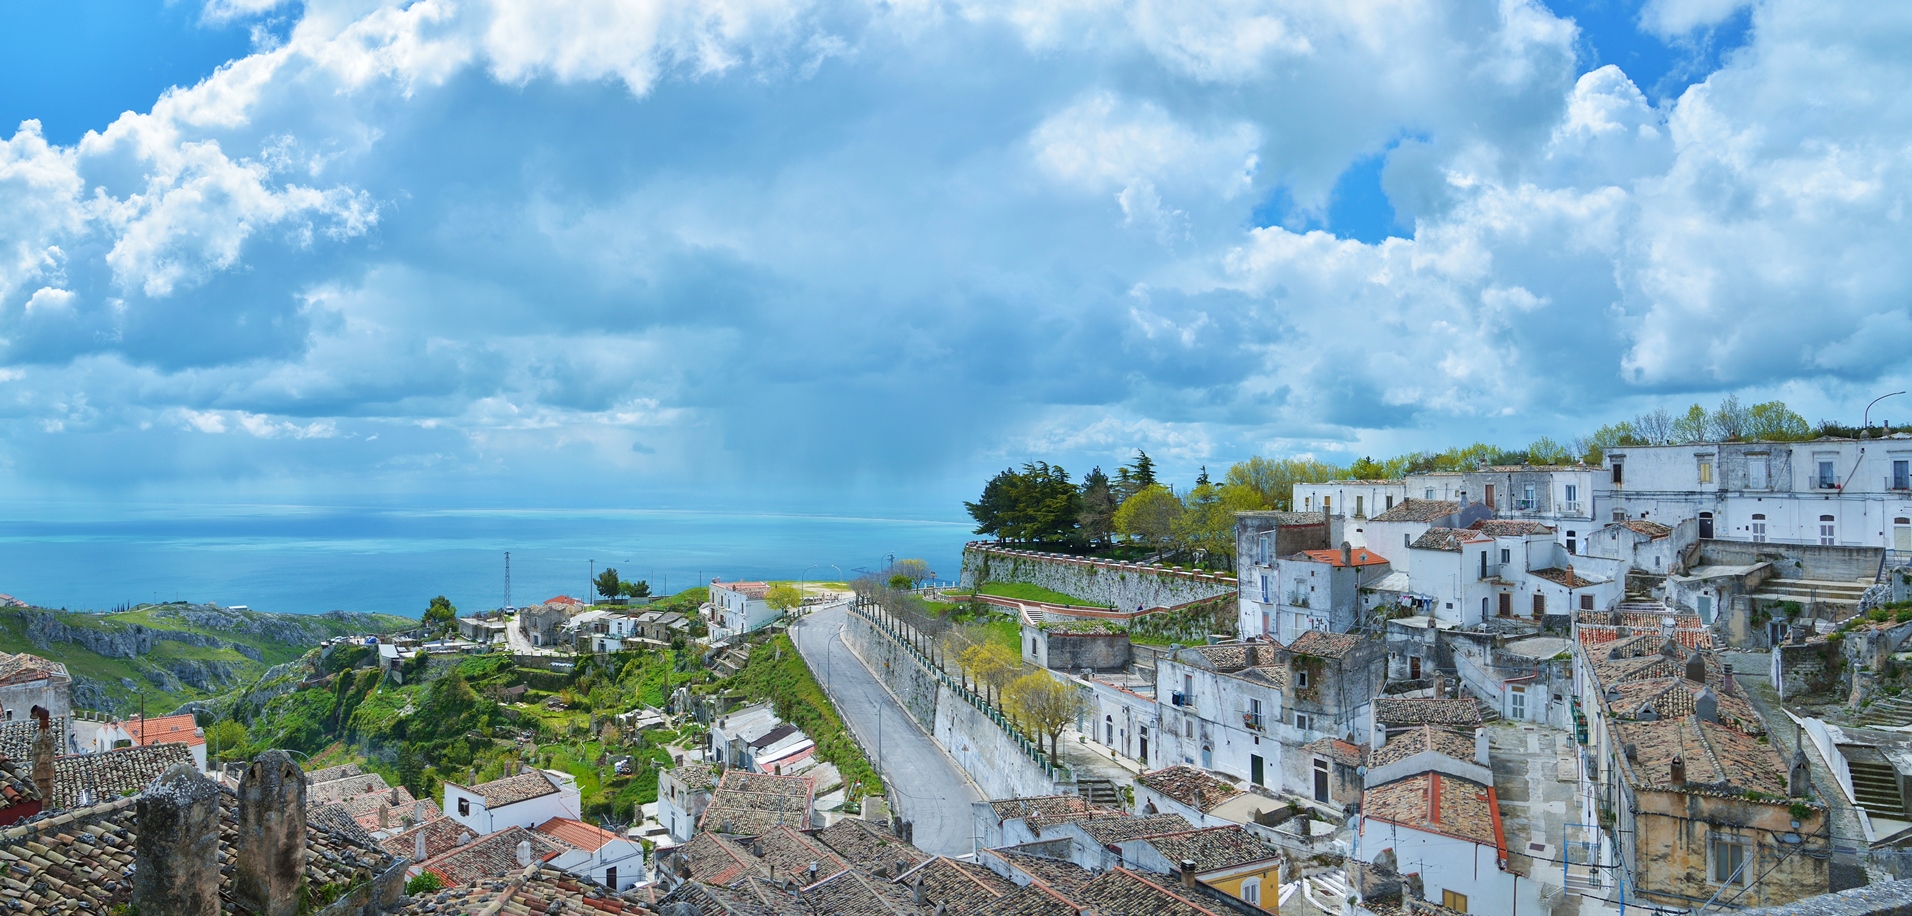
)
(925, 786)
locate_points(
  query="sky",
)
(856, 256)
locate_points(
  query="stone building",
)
(683, 794)
(27, 681)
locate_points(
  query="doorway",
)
(1208, 756)
(1142, 736)
(1490, 496)
(1706, 525)
(1902, 534)
(1517, 703)
(1256, 773)
(1414, 668)
(1321, 780)
(1506, 604)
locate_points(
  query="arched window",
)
(1251, 891)
(1108, 726)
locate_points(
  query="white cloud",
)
(1676, 18)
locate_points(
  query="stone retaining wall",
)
(1126, 586)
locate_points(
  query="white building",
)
(1222, 708)
(614, 861)
(1351, 498)
(1832, 492)
(136, 732)
(683, 794)
(1446, 830)
(740, 606)
(525, 800)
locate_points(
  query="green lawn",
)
(1025, 592)
(1006, 631)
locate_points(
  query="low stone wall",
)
(1890, 899)
(1060, 650)
(1804, 668)
(1126, 586)
(1797, 561)
(993, 757)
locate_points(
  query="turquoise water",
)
(305, 559)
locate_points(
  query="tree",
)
(1691, 426)
(1274, 479)
(783, 596)
(1037, 504)
(1774, 421)
(608, 584)
(914, 572)
(1044, 704)
(639, 589)
(1546, 451)
(1208, 524)
(1656, 427)
(440, 616)
(1728, 420)
(1368, 469)
(227, 738)
(992, 509)
(1149, 515)
(991, 665)
(1096, 518)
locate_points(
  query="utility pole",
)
(507, 579)
(589, 578)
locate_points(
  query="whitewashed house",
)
(525, 800)
(1222, 709)
(615, 861)
(683, 795)
(1350, 498)
(739, 607)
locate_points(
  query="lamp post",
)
(1866, 423)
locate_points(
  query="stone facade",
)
(1060, 650)
(176, 865)
(1106, 583)
(271, 836)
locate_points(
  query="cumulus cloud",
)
(776, 242)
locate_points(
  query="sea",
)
(308, 559)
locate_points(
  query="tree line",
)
(1134, 512)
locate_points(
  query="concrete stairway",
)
(1876, 787)
(1099, 792)
(1887, 711)
(1327, 892)
(1841, 597)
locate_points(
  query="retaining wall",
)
(993, 757)
(1102, 582)
(1797, 561)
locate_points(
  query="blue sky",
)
(856, 256)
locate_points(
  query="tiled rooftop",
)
(327, 774)
(1120, 892)
(788, 852)
(1718, 759)
(751, 803)
(1438, 803)
(1325, 644)
(1213, 847)
(16, 737)
(513, 789)
(961, 887)
(1361, 556)
(1567, 577)
(589, 837)
(1653, 530)
(695, 773)
(1426, 711)
(539, 890)
(180, 729)
(1060, 875)
(21, 667)
(79, 861)
(1190, 786)
(338, 820)
(1419, 510)
(1449, 539)
(1048, 807)
(339, 790)
(1108, 831)
(1339, 751)
(112, 774)
(1229, 657)
(715, 859)
(1424, 738)
(494, 855)
(867, 845)
(1509, 527)
(854, 893)
(1673, 698)
(1031, 900)
(442, 835)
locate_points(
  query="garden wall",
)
(1126, 586)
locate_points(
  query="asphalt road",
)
(925, 786)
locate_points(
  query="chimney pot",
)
(1188, 873)
(524, 853)
(1677, 771)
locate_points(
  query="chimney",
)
(1480, 748)
(45, 748)
(384, 816)
(1676, 771)
(813, 873)
(524, 853)
(418, 846)
(271, 841)
(176, 853)
(418, 811)
(1633, 753)
(1798, 776)
(1726, 684)
(1696, 669)
(1347, 554)
(916, 892)
(1706, 705)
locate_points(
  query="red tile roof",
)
(1439, 803)
(180, 729)
(1361, 555)
(578, 833)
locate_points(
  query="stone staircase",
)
(1099, 792)
(1875, 786)
(1327, 891)
(1887, 712)
(1841, 597)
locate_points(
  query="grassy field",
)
(1024, 592)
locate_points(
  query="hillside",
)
(175, 652)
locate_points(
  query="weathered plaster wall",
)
(1126, 586)
(1074, 651)
(1796, 561)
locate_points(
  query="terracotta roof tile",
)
(1566, 577)
(751, 803)
(1718, 760)
(715, 859)
(1419, 510)
(513, 789)
(1325, 644)
(1424, 738)
(867, 845)
(1213, 847)
(1675, 698)
(112, 774)
(1509, 527)
(1339, 751)
(1048, 807)
(961, 887)
(442, 835)
(1109, 831)
(1448, 539)
(1361, 556)
(1060, 875)
(1120, 892)
(494, 855)
(1190, 786)
(1031, 900)
(577, 833)
(542, 889)
(1426, 711)
(853, 893)
(1438, 803)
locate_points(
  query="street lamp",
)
(1866, 423)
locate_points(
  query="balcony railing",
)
(1252, 721)
(1525, 505)
(1571, 507)
(1184, 700)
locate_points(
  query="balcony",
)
(1253, 722)
(1184, 700)
(1524, 505)
(1570, 507)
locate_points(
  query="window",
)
(1827, 479)
(1304, 721)
(1902, 474)
(1573, 495)
(1729, 862)
(1327, 504)
(1454, 900)
(1527, 500)
(1506, 556)
(1430, 492)
(1619, 476)
(1540, 604)
(1188, 728)
(1759, 528)
(1586, 602)
(464, 807)
(1828, 530)
(1391, 499)
(1758, 470)
(1301, 680)
(1307, 502)
(1360, 507)
(1264, 589)
(1251, 891)
(610, 877)
(1572, 541)
(1706, 470)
